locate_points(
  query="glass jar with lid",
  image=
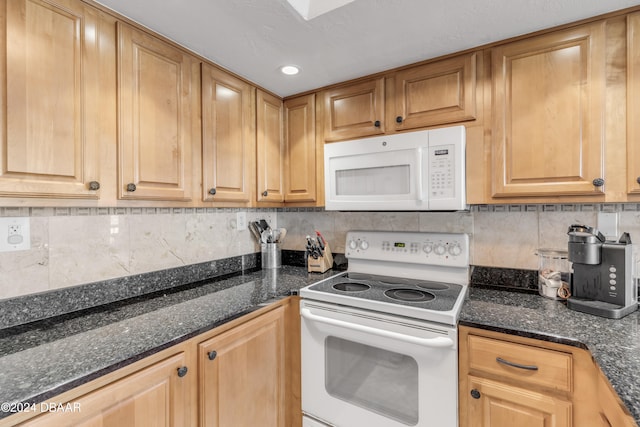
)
(554, 272)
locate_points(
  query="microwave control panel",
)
(442, 167)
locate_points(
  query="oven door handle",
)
(425, 342)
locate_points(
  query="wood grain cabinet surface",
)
(228, 137)
(242, 377)
(301, 170)
(155, 396)
(633, 103)
(355, 110)
(436, 93)
(507, 381)
(548, 114)
(155, 97)
(49, 61)
(270, 148)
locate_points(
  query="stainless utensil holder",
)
(271, 255)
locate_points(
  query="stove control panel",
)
(445, 249)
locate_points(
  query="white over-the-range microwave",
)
(413, 171)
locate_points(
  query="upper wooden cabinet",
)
(435, 93)
(228, 137)
(354, 111)
(154, 117)
(548, 114)
(50, 86)
(633, 103)
(300, 160)
(270, 148)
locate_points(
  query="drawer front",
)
(522, 363)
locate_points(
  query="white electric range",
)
(379, 341)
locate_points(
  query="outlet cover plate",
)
(608, 225)
(20, 237)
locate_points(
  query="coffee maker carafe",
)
(602, 283)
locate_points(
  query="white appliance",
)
(418, 171)
(379, 341)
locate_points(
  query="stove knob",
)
(427, 248)
(455, 249)
(353, 244)
(440, 249)
(364, 245)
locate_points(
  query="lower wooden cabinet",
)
(154, 396)
(507, 381)
(495, 404)
(243, 373)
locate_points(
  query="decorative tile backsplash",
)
(72, 246)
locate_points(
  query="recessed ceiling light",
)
(290, 70)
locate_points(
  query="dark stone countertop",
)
(614, 344)
(42, 359)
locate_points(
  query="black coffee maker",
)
(602, 282)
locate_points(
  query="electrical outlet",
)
(241, 221)
(608, 224)
(14, 234)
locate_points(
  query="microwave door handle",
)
(424, 342)
(419, 168)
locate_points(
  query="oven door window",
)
(372, 378)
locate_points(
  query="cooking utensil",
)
(255, 230)
(283, 233)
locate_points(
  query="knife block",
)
(320, 264)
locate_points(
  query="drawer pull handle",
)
(516, 365)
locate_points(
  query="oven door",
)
(362, 368)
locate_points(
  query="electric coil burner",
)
(419, 275)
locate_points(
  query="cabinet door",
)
(242, 374)
(228, 140)
(155, 396)
(154, 118)
(300, 178)
(49, 63)
(494, 404)
(270, 143)
(354, 111)
(436, 93)
(548, 128)
(633, 104)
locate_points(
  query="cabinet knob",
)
(212, 354)
(131, 187)
(182, 371)
(377, 123)
(94, 185)
(265, 193)
(212, 191)
(475, 394)
(638, 180)
(399, 119)
(598, 182)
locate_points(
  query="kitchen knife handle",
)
(516, 365)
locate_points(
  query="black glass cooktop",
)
(437, 296)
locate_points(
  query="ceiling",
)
(254, 38)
